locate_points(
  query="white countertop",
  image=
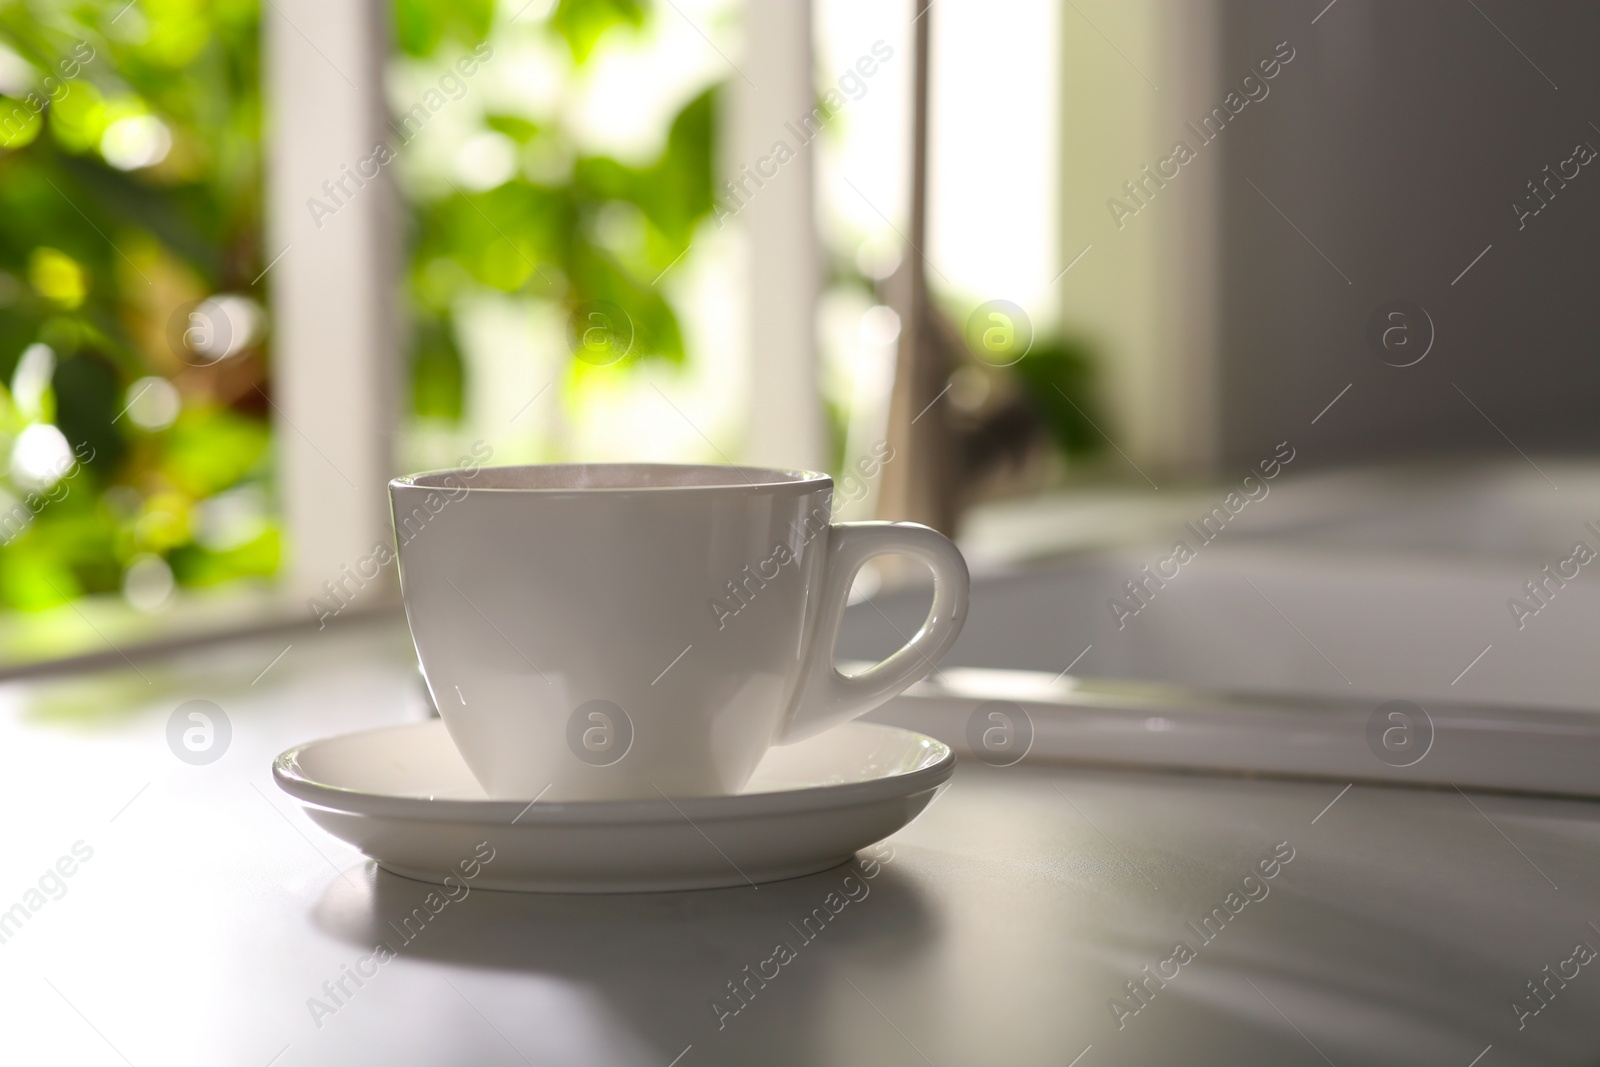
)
(996, 931)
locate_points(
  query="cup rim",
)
(755, 479)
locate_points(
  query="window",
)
(256, 260)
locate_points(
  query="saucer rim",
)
(289, 777)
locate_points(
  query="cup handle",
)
(827, 697)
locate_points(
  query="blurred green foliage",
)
(130, 192)
(131, 232)
(130, 195)
(591, 229)
(1057, 375)
(582, 22)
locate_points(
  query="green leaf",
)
(33, 577)
(19, 123)
(581, 23)
(596, 277)
(88, 397)
(211, 449)
(679, 189)
(422, 25)
(1058, 376)
(196, 566)
(515, 127)
(500, 236)
(418, 26)
(436, 370)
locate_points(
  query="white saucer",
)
(403, 796)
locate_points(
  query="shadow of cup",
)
(671, 964)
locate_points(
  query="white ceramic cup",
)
(616, 631)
